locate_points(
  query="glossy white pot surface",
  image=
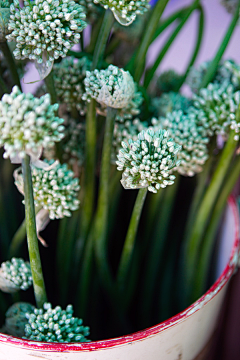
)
(181, 337)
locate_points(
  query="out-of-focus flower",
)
(170, 102)
(16, 318)
(15, 275)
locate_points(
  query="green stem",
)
(49, 81)
(100, 224)
(11, 63)
(100, 46)
(197, 46)
(209, 237)
(214, 63)
(151, 71)
(3, 87)
(151, 27)
(128, 246)
(33, 249)
(155, 255)
(193, 241)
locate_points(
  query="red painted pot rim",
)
(140, 335)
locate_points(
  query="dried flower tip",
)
(125, 11)
(16, 318)
(185, 131)
(15, 275)
(55, 190)
(148, 162)
(27, 124)
(45, 27)
(55, 325)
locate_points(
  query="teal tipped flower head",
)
(55, 325)
(125, 11)
(148, 162)
(69, 77)
(27, 125)
(16, 318)
(15, 275)
(168, 81)
(112, 87)
(45, 28)
(185, 131)
(169, 102)
(216, 108)
(54, 190)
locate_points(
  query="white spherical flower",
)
(15, 275)
(45, 27)
(148, 162)
(28, 124)
(112, 87)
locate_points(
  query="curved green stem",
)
(209, 237)
(193, 241)
(130, 239)
(33, 249)
(151, 71)
(214, 63)
(49, 81)
(151, 27)
(3, 87)
(11, 63)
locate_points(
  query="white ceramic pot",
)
(182, 337)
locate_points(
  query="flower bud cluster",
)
(184, 130)
(55, 325)
(91, 10)
(217, 109)
(69, 77)
(55, 190)
(169, 102)
(168, 81)
(28, 124)
(16, 318)
(15, 275)
(125, 10)
(112, 87)
(4, 19)
(45, 26)
(148, 161)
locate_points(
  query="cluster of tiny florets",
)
(169, 102)
(69, 77)
(28, 124)
(16, 318)
(125, 11)
(185, 131)
(4, 19)
(55, 325)
(216, 108)
(112, 87)
(45, 26)
(15, 275)
(124, 132)
(168, 81)
(54, 190)
(148, 161)
(91, 10)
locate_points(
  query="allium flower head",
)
(55, 190)
(15, 275)
(168, 81)
(170, 102)
(4, 19)
(125, 11)
(148, 161)
(28, 124)
(216, 109)
(91, 10)
(16, 318)
(69, 77)
(41, 27)
(183, 129)
(112, 87)
(55, 325)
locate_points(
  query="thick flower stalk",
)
(55, 325)
(15, 275)
(54, 190)
(148, 162)
(125, 11)
(45, 28)
(185, 131)
(170, 102)
(69, 77)
(27, 125)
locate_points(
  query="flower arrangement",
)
(106, 149)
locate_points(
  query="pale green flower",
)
(28, 124)
(170, 102)
(45, 28)
(55, 325)
(148, 162)
(15, 275)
